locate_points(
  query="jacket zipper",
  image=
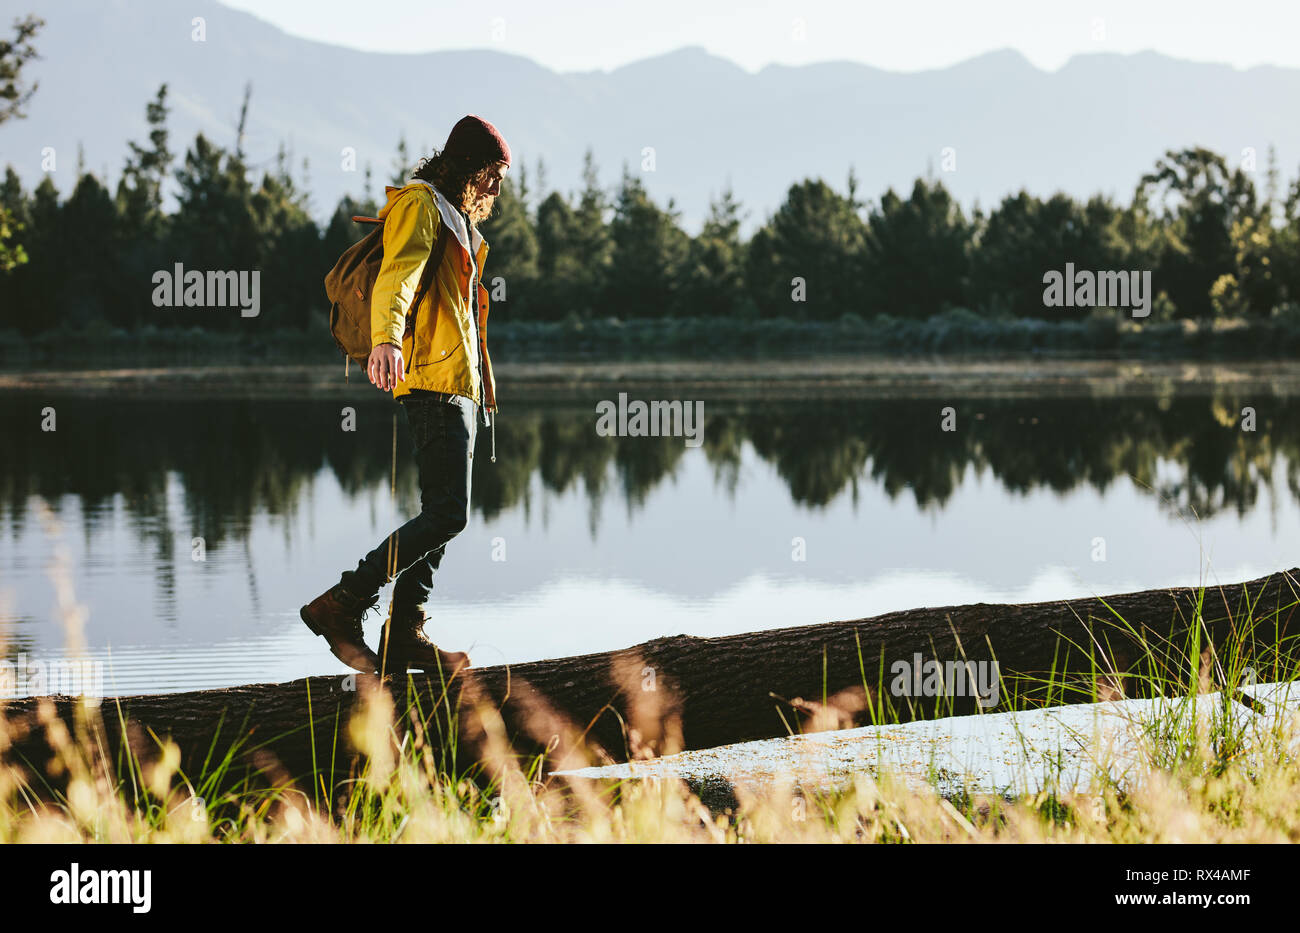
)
(490, 406)
(484, 367)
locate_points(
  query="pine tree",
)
(806, 261)
(140, 190)
(402, 166)
(511, 268)
(1198, 199)
(590, 243)
(559, 264)
(25, 286)
(215, 227)
(713, 277)
(87, 262)
(648, 252)
(14, 54)
(916, 256)
(288, 248)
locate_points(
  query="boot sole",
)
(396, 665)
(307, 620)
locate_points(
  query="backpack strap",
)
(430, 269)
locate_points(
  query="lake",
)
(193, 512)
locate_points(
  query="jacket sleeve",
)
(410, 228)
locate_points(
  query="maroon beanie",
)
(475, 139)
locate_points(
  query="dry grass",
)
(401, 797)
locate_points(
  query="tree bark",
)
(685, 692)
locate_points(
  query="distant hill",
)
(1094, 125)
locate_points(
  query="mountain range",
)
(987, 127)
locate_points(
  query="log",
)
(684, 692)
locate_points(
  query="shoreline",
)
(792, 378)
(956, 334)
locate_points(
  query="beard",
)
(480, 209)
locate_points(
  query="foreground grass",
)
(401, 799)
(1207, 775)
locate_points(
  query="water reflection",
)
(238, 458)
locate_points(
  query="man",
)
(434, 360)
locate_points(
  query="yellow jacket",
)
(437, 351)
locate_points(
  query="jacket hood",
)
(450, 216)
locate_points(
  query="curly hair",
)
(459, 181)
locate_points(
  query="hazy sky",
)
(578, 35)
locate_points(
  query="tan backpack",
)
(351, 282)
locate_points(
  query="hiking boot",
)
(336, 616)
(403, 646)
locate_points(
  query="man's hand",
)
(386, 367)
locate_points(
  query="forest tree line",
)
(1216, 244)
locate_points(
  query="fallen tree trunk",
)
(686, 692)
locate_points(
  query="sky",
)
(581, 35)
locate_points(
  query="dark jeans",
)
(443, 428)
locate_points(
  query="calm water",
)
(610, 541)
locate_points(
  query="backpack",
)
(349, 285)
